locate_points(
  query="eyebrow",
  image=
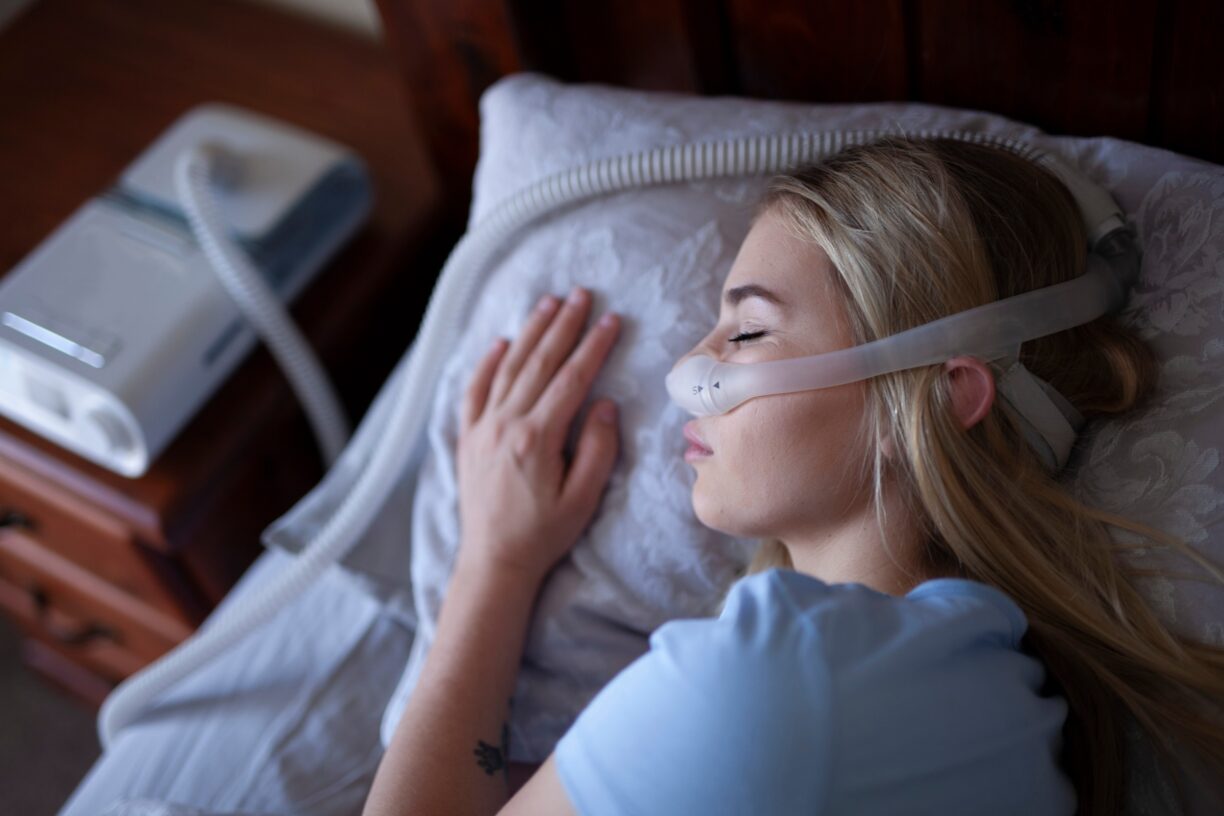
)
(739, 293)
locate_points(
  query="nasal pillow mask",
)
(704, 386)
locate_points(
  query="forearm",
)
(448, 754)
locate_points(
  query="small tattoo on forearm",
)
(490, 757)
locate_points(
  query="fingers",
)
(477, 394)
(547, 356)
(557, 406)
(539, 376)
(594, 457)
(522, 347)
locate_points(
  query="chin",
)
(707, 512)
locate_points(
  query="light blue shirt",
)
(814, 698)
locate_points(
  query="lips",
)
(690, 433)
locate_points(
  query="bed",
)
(292, 720)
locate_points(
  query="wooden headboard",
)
(1148, 71)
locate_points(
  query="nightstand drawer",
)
(82, 615)
(82, 535)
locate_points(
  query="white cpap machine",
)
(117, 329)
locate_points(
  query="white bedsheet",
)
(285, 723)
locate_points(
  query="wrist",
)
(495, 578)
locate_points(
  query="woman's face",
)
(784, 466)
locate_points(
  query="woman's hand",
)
(520, 507)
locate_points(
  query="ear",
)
(973, 389)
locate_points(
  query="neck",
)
(856, 551)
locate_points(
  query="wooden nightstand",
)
(105, 573)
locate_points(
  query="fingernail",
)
(575, 295)
(606, 411)
(547, 303)
(608, 320)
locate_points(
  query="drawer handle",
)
(15, 518)
(69, 637)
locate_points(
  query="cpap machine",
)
(388, 441)
(117, 329)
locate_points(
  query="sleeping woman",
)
(932, 623)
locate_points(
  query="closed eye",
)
(746, 337)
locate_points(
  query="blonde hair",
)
(919, 229)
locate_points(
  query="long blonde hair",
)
(919, 229)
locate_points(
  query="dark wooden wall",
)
(1146, 71)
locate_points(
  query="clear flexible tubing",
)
(453, 297)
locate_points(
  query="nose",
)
(693, 352)
(702, 348)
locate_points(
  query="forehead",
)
(772, 258)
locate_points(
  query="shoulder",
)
(788, 646)
(873, 671)
(933, 685)
(946, 640)
(800, 691)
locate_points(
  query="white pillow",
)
(659, 257)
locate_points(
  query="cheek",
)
(809, 439)
(782, 456)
